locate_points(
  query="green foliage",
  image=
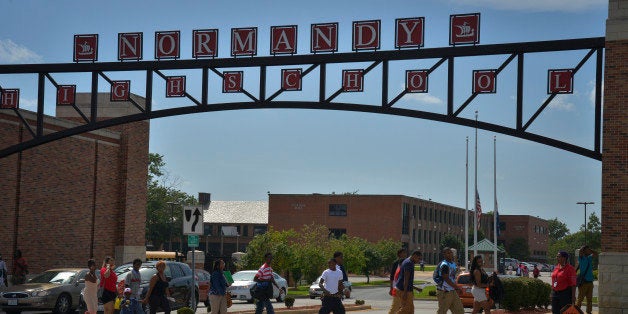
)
(519, 249)
(185, 310)
(289, 301)
(450, 240)
(557, 230)
(526, 293)
(161, 216)
(305, 254)
(359, 302)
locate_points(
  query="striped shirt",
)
(265, 272)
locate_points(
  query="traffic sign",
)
(193, 220)
(192, 240)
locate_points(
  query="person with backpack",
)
(445, 279)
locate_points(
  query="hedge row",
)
(524, 292)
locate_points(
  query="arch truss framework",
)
(447, 55)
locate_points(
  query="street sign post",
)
(193, 220)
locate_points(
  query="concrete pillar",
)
(613, 268)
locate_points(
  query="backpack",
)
(437, 276)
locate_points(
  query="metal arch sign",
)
(464, 38)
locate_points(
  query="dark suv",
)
(178, 274)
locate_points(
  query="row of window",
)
(539, 253)
(540, 229)
(214, 229)
(427, 236)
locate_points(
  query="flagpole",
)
(466, 211)
(495, 202)
(475, 211)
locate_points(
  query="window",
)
(207, 230)
(337, 209)
(420, 212)
(418, 240)
(245, 231)
(337, 233)
(259, 230)
(405, 223)
(413, 235)
(414, 211)
(502, 226)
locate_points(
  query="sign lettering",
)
(175, 86)
(324, 38)
(244, 41)
(10, 98)
(167, 45)
(484, 81)
(416, 81)
(560, 81)
(409, 32)
(66, 95)
(232, 81)
(283, 39)
(130, 46)
(291, 79)
(120, 90)
(353, 80)
(366, 35)
(205, 43)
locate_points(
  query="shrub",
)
(595, 273)
(525, 292)
(432, 293)
(185, 310)
(289, 301)
(359, 302)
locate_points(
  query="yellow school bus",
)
(164, 256)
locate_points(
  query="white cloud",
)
(28, 104)
(592, 93)
(538, 5)
(561, 102)
(13, 53)
(424, 98)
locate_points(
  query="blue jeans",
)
(259, 307)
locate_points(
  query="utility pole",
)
(585, 219)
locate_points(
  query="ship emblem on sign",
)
(86, 49)
(465, 30)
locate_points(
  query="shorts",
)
(108, 296)
(479, 294)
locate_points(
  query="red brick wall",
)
(615, 149)
(370, 217)
(63, 184)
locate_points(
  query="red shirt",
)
(563, 277)
(109, 283)
(265, 272)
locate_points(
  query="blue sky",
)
(243, 154)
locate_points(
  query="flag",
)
(497, 220)
(478, 208)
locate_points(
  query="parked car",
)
(544, 267)
(202, 279)
(179, 277)
(243, 282)
(56, 290)
(316, 292)
(463, 281)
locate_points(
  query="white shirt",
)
(331, 279)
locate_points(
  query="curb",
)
(312, 309)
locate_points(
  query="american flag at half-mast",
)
(478, 208)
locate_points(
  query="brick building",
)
(532, 229)
(417, 223)
(75, 198)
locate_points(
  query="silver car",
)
(56, 290)
(243, 282)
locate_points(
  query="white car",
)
(243, 282)
(315, 290)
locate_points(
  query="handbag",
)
(229, 301)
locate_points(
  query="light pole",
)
(585, 218)
(172, 205)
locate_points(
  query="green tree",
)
(481, 236)
(594, 231)
(161, 217)
(519, 249)
(450, 240)
(557, 230)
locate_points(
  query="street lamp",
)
(585, 218)
(172, 205)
